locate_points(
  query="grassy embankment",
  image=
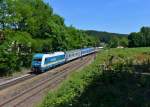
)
(114, 86)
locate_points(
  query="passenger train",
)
(44, 62)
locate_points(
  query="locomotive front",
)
(37, 62)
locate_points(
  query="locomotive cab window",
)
(37, 59)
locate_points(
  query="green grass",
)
(128, 52)
(93, 88)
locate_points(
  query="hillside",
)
(104, 36)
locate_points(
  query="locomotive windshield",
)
(37, 59)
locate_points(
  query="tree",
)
(123, 42)
(114, 42)
(30, 26)
(140, 39)
(3, 13)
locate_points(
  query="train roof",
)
(87, 48)
(73, 50)
(40, 55)
(54, 54)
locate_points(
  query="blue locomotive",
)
(44, 62)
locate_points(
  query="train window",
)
(38, 59)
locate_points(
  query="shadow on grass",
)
(115, 89)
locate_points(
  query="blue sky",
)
(120, 16)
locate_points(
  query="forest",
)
(104, 36)
(134, 39)
(111, 40)
(31, 26)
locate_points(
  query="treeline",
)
(111, 40)
(104, 36)
(30, 26)
(140, 39)
(135, 39)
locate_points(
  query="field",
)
(114, 79)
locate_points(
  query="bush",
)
(71, 88)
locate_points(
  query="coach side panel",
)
(51, 62)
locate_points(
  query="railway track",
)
(14, 81)
(48, 83)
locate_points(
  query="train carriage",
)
(87, 51)
(71, 55)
